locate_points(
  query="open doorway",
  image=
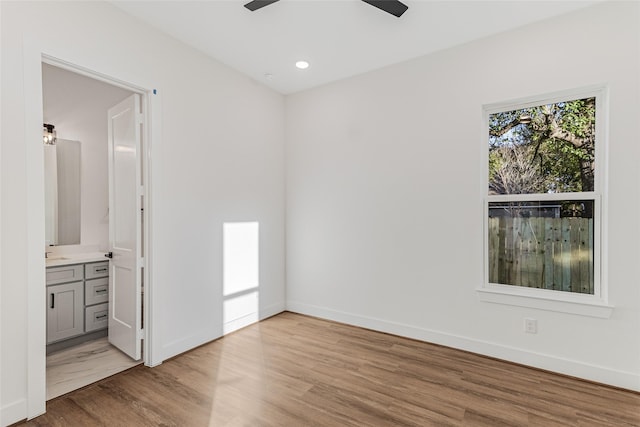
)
(80, 222)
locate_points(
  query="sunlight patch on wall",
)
(241, 274)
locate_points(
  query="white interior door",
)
(125, 224)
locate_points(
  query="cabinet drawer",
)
(64, 274)
(96, 291)
(96, 269)
(96, 317)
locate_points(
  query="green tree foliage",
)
(543, 149)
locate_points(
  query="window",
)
(544, 173)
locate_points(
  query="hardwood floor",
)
(293, 370)
(84, 364)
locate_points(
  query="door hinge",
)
(140, 334)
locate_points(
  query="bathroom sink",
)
(56, 257)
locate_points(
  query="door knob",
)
(109, 255)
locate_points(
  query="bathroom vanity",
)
(77, 288)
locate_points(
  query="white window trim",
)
(595, 305)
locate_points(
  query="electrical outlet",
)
(531, 326)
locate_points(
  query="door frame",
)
(34, 57)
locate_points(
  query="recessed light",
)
(302, 65)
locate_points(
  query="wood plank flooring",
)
(293, 370)
(84, 364)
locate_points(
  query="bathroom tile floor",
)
(79, 366)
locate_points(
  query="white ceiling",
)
(340, 38)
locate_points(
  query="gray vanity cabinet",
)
(77, 300)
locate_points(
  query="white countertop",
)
(55, 260)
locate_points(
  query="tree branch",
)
(506, 128)
(555, 131)
(558, 133)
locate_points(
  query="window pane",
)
(542, 244)
(543, 149)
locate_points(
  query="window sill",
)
(543, 302)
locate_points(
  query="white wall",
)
(384, 195)
(383, 227)
(219, 158)
(77, 105)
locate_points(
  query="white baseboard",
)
(600, 374)
(201, 337)
(250, 318)
(13, 412)
(272, 310)
(239, 323)
(186, 343)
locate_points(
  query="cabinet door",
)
(65, 311)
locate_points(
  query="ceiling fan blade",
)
(394, 7)
(257, 4)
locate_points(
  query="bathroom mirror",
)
(62, 193)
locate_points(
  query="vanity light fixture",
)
(49, 134)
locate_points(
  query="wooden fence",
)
(548, 253)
